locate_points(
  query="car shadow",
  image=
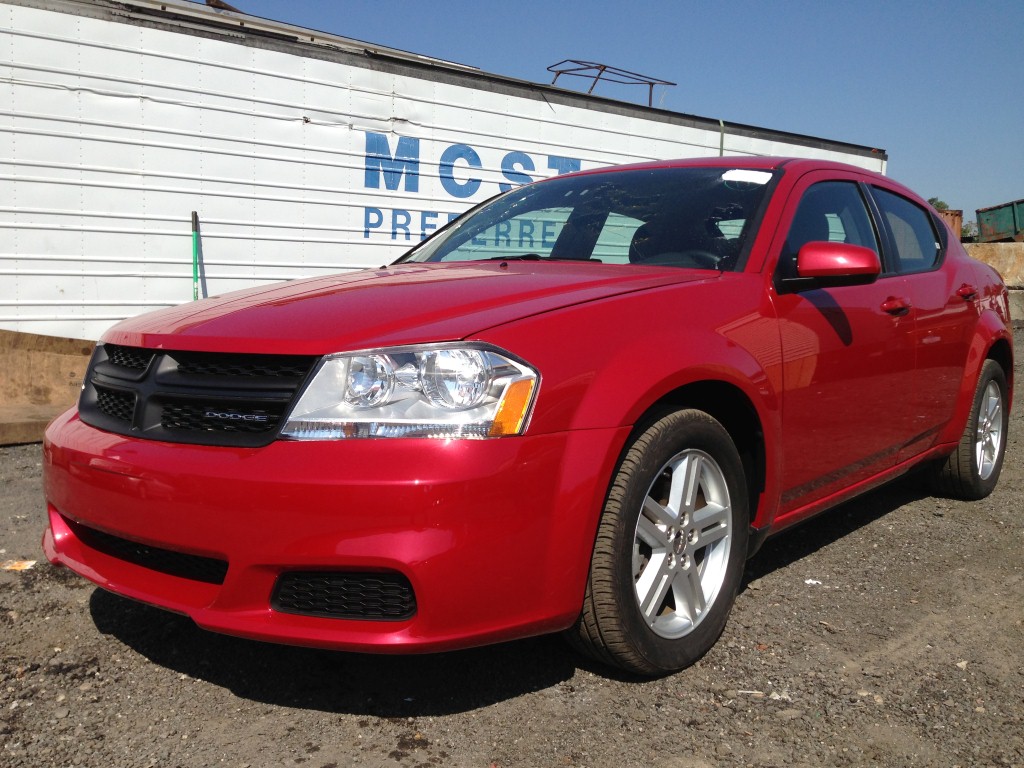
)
(430, 684)
(335, 681)
(830, 526)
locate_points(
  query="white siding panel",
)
(112, 133)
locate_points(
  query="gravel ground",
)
(887, 632)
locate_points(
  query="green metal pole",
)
(195, 256)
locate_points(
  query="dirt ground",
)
(888, 632)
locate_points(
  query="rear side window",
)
(916, 242)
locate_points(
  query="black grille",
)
(195, 567)
(129, 357)
(200, 364)
(205, 398)
(213, 417)
(115, 404)
(377, 596)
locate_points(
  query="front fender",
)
(605, 364)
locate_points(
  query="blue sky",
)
(936, 84)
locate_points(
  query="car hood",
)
(404, 304)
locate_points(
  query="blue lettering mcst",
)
(406, 161)
(455, 172)
(512, 167)
(562, 165)
(516, 166)
(446, 170)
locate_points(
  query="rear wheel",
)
(972, 470)
(670, 549)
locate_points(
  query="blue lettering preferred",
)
(400, 223)
(406, 161)
(512, 167)
(525, 232)
(372, 219)
(428, 223)
(548, 235)
(446, 170)
(503, 231)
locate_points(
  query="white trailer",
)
(303, 153)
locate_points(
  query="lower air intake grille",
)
(377, 596)
(195, 567)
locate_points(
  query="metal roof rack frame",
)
(597, 71)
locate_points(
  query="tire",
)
(670, 549)
(972, 470)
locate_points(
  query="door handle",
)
(896, 306)
(967, 292)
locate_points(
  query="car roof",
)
(796, 166)
(801, 164)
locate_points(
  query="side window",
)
(830, 211)
(917, 244)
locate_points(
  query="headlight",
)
(436, 390)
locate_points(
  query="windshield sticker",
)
(751, 177)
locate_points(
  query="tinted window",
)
(833, 212)
(917, 245)
(685, 217)
(531, 232)
(616, 236)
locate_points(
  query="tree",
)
(937, 204)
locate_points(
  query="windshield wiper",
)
(520, 257)
(537, 257)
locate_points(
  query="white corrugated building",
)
(302, 153)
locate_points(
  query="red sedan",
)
(579, 407)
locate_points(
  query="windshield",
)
(685, 217)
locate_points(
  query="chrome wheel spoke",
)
(686, 483)
(656, 515)
(689, 593)
(653, 585)
(989, 431)
(711, 523)
(681, 543)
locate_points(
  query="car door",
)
(941, 294)
(848, 352)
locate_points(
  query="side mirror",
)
(828, 265)
(837, 260)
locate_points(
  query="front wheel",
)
(972, 470)
(670, 549)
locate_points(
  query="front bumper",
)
(494, 536)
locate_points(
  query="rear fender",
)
(991, 330)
